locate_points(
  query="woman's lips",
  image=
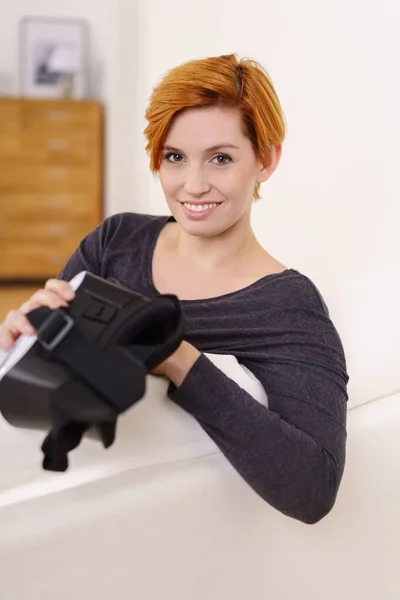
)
(199, 211)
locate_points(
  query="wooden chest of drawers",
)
(51, 165)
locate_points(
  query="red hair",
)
(222, 81)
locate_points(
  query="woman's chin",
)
(203, 229)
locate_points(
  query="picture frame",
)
(53, 58)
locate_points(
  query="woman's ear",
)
(272, 161)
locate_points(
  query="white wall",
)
(334, 65)
(101, 18)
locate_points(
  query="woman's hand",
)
(56, 293)
(178, 365)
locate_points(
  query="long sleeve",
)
(293, 452)
(86, 257)
(117, 250)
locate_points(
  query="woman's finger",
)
(55, 294)
(14, 325)
(17, 322)
(7, 337)
(43, 298)
(60, 287)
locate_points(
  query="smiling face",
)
(209, 171)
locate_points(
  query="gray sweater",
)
(291, 453)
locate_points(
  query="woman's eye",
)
(173, 157)
(222, 159)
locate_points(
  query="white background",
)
(332, 208)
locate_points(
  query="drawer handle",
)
(57, 230)
(56, 115)
(58, 145)
(58, 201)
(57, 174)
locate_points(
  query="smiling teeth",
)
(200, 207)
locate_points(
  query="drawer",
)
(44, 232)
(10, 116)
(9, 145)
(60, 115)
(17, 207)
(10, 123)
(28, 262)
(61, 147)
(52, 177)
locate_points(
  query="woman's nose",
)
(196, 184)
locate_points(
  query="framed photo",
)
(53, 58)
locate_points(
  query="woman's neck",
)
(222, 251)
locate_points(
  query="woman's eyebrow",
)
(212, 149)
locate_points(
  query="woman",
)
(215, 131)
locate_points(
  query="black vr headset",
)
(87, 364)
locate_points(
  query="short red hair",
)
(222, 81)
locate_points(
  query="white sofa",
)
(162, 515)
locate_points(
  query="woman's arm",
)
(86, 257)
(291, 453)
(177, 366)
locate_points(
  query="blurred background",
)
(166, 520)
(334, 66)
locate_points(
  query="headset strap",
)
(119, 379)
